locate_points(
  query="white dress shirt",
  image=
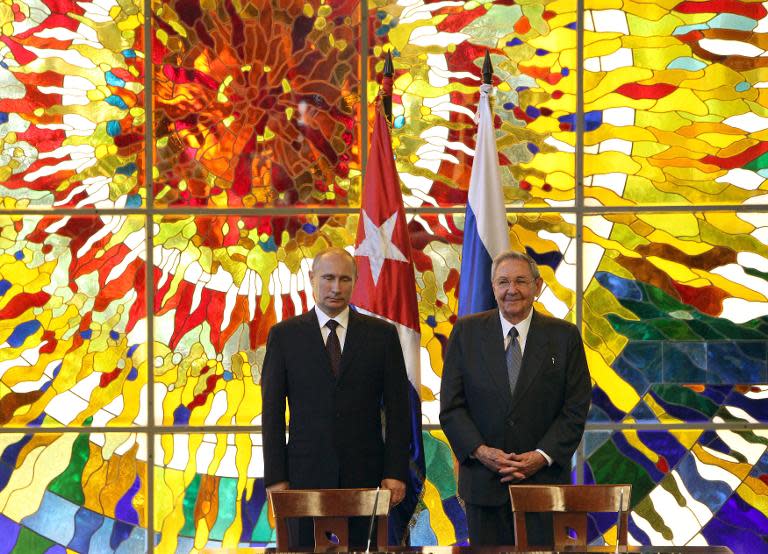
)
(522, 335)
(341, 331)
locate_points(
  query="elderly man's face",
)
(515, 289)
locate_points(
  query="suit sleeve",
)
(397, 410)
(273, 400)
(563, 436)
(455, 418)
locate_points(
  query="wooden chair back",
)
(330, 510)
(570, 506)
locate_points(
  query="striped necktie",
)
(514, 359)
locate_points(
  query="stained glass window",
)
(72, 104)
(256, 103)
(72, 320)
(675, 311)
(691, 486)
(83, 491)
(209, 491)
(675, 111)
(439, 49)
(134, 330)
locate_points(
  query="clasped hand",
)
(512, 467)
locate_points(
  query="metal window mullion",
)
(149, 190)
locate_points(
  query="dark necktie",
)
(334, 346)
(514, 359)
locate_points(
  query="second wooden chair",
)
(570, 506)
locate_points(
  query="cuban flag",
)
(385, 265)
(485, 224)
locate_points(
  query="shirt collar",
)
(342, 318)
(522, 327)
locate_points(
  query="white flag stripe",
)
(485, 196)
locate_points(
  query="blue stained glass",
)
(9, 533)
(127, 169)
(124, 509)
(115, 100)
(641, 412)
(87, 523)
(181, 415)
(54, 520)
(632, 453)
(421, 532)
(22, 332)
(250, 507)
(552, 259)
(114, 80)
(113, 128)
(737, 362)
(686, 63)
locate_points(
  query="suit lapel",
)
(494, 358)
(356, 332)
(313, 339)
(533, 357)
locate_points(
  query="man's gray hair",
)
(515, 255)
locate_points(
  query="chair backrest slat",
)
(570, 505)
(331, 510)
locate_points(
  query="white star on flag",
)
(378, 246)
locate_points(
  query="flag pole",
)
(485, 223)
(386, 86)
(487, 69)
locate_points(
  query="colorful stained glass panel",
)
(71, 104)
(438, 52)
(675, 104)
(675, 316)
(73, 325)
(691, 486)
(221, 282)
(209, 492)
(256, 103)
(80, 492)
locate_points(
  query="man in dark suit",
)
(340, 372)
(513, 401)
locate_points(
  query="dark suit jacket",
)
(336, 435)
(548, 410)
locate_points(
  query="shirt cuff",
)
(546, 456)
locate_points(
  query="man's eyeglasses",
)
(520, 282)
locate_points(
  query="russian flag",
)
(485, 224)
